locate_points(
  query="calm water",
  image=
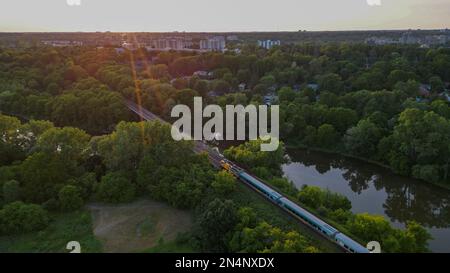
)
(376, 190)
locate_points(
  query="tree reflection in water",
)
(407, 199)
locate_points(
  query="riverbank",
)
(295, 146)
(375, 190)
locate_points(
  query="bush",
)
(311, 196)
(224, 183)
(341, 216)
(51, 204)
(286, 186)
(315, 197)
(70, 198)
(376, 228)
(322, 211)
(326, 136)
(115, 187)
(335, 201)
(261, 172)
(426, 172)
(18, 217)
(11, 191)
(215, 225)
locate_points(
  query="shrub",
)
(18, 217)
(224, 183)
(70, 198)
(11, 191)
(115, 187)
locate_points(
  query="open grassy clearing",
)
(138, 226)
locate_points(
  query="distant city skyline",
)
(221, 16)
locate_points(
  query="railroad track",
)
(302, 215)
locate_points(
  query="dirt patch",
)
(136, 226)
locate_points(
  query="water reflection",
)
(376, 190)
(426, 205)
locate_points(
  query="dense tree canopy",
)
(383, 103)
(413, 239)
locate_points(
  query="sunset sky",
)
(215, 15)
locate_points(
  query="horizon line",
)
(231, 31)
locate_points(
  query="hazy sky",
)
(221, 15)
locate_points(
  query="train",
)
(278, 199)
(314, 222)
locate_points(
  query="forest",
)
(67, 138)
(385, 104)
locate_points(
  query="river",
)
(376, 190)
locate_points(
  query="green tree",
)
(95, 111)
(182, 184)
(247, 218)
(221, 86)
(264, 238)
(327, 136)
(18, 217)
(267, 80)
(11, 191)
(10, 148)
(68, 144)
(34, 129)
(224, 183)
(75, 73)
(375, 228)
(441, 107)
(286, 94)
(43, 175)
(421, 138)
(420, 235)
(70, 198)
(311, 196)
(329, 99)
(131, 141)
(159, 71)
(186, 97)
(400, 76)
(370, 228)
(331, 83)
(437, 85)
(284, 185)
(215, 225)
(115, 187)
(315, 197)
(341, 118)
(202, 87)
(180, 83)
(362, 140)
(250, 155)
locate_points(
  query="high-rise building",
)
(170, 43)
(213, 44)
(268, 44)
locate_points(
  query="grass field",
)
(76, 226)
(143, 225)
